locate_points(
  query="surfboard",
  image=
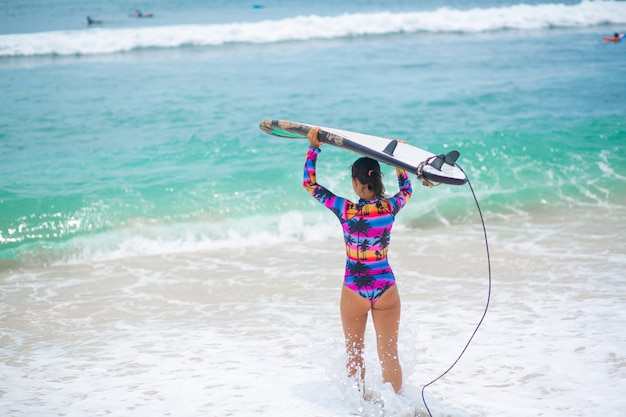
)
(435, 168)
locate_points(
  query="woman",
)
(369, 283)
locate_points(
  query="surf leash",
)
(482, 220)
(420, 173)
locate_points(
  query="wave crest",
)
(303, 28)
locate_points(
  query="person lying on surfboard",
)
(617, 37)
(369, 283)
(139, 13)
(91, 21)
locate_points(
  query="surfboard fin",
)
(391, 147)
(449, 158)
(438, 161)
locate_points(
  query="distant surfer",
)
(369, 283)
(139, 13)
(91, 21)
(617, 37)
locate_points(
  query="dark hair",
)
(367, 171)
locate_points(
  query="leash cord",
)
(486, 305)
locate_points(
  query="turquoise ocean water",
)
(159, 256)
(148, 129)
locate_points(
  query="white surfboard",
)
(435, 168)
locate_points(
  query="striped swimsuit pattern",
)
(366, 229)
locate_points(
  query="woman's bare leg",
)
(386, 318)
(354, 309)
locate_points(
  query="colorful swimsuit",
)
(366, 231)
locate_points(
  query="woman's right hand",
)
(313, 136)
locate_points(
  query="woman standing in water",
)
(369, 282)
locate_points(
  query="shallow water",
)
(202, 333)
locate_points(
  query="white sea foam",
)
(256, 330)
(302, 28)
(143, 238)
